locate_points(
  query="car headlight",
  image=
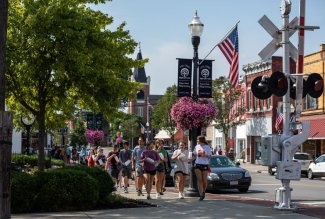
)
(213, 176)
(247, 174)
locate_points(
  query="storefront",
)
(315, 145)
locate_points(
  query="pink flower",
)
(94, 136)
(188, 113)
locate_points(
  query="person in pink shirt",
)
(150, 159)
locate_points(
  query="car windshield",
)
(221, 162)
(302, 157)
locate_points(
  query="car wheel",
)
(243, 189)
(270, 171)
(310, 174)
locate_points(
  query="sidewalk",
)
(214, 206)
(254, 168)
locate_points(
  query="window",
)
(268, 103)
(140, 111)
(256, 107)
(262, 104)
(249, 101)
(310, 103)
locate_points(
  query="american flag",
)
(142, 128)
(278, 121)
(229, 47)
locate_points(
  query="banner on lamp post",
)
(184, 77)
(205, 79)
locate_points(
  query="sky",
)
(161, 27)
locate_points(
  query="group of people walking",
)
(150, 164)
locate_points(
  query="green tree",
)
(161, 112)
(78, 133)
(130, 127)
(227, 101)
(60, 52)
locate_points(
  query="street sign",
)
(274, 45)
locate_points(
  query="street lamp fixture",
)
(196, 29)
(28, 121)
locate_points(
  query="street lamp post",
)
(28, 123)
(196, 29)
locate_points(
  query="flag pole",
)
(220, 42)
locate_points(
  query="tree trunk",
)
(5, 163)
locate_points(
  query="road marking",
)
(266, 184)
(312, 203)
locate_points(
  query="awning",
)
(162, 134)
(317, 126)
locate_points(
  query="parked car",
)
(303, 158)
(317, 168)
(225, 174)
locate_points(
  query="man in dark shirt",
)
(112, 164)
(125, 159)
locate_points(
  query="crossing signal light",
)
(264, 86)
(315, 85)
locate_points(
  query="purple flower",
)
(188, 113)
(94, 136)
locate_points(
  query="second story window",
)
(140, 111)
(310, 103)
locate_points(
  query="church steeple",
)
(139, 74)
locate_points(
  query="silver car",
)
(304, 159)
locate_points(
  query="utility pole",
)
(5, 120)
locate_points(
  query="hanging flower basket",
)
(188, 113)
(94, 136)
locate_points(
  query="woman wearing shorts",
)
(181, 167)
(149, 159)
(202, 153)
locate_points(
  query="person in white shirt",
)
(202, 153)
(181, 167)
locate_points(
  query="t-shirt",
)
(181, 163)
(152, 155)
(112, 162)
(137, 154)
(126, 155)
(202, 160)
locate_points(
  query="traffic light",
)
(264, 86)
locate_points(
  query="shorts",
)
(181, 173)
(139, 170)
(126, 172)
(202, 167)
(114, 172)
(151, 172)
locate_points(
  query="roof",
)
(139, 74)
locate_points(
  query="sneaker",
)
(148, 197)
(142, 193)
(126, 190)
(139, 192)
(164, 189)
(161, 193)
(158, 196)
(203, 194)
(183, 196)
(180, 195)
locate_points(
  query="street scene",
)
(136, 109)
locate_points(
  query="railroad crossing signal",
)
(274, 45)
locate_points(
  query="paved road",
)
(305, 191)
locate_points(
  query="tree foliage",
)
(161, 118)
(61, 54)
(227, 101)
